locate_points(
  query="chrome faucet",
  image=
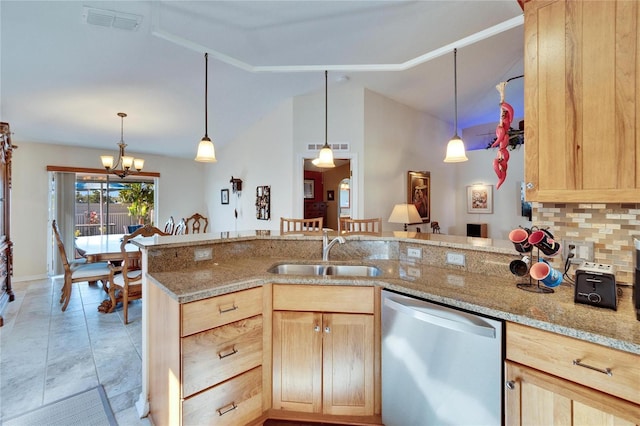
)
(326, 245)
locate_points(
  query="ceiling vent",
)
(110, 18)
(344, 147)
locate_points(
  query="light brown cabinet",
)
(206, 359)
(324, 362)
(581, 100)
(554, 379)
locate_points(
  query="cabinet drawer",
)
(555, 354)
(234, 402)
(348, 299)
(216, 311)
(212, 356)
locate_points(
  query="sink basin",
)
(353, 270)
(295, 269)
(320, 269)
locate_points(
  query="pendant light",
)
(325, 157)
(455, 147)
(206, 151)
(126, 162)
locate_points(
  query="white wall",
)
(180, 192)
(262, 155)
(399, 139)
(506, 200)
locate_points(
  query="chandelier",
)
(125, 162)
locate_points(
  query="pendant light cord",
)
(455, 90)
(206, 87)
(326, 109)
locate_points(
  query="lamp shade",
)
(405, 213)
(455, 151)
(206, 151)
(325, 158)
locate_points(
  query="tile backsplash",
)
(611, 227)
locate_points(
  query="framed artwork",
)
(263, 202)
(419, 193)
(480, 199)
(224, 196)
(331, 195)
(309, 189)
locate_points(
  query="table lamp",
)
(405, 213)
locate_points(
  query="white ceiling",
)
(63, 80)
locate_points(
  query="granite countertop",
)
(488, 295)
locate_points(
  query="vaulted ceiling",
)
(63, 78)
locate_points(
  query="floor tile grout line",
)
(91, 341)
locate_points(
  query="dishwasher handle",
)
(429, 315)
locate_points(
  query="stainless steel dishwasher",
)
(440, 366)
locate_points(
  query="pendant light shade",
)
(455, 147)
(206, 151)
(325, 157)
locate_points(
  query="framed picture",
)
(263, 202)
(480, 199)
(309, 189)
(224, 196)
(419, 193)
(331, 195)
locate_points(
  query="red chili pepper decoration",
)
(502, 137)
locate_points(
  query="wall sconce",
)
(236, 184)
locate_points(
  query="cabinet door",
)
(535, 398)
(297, 361)
(348, 373)
(581, 81)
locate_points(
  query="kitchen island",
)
(483, 285)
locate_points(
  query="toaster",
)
(596, 285)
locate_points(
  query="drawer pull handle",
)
(327, 329)
(231, 309)
(606, 371)
(511, 385)
(316, 328)
(232, 352)
(224, 410)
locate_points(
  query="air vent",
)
(341, 147)
(110, 18)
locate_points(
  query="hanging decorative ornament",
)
(502, 137)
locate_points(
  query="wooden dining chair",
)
(301, 226)
(197, 223)
(78, 270)
(168, 227)
(361, 226)
(181, 228)
(125, 281)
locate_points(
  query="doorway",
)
(322, 191)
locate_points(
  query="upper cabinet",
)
(582, 76)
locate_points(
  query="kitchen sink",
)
(321, 269)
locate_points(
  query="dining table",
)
(100, 248)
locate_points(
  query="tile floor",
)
(47, 354)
